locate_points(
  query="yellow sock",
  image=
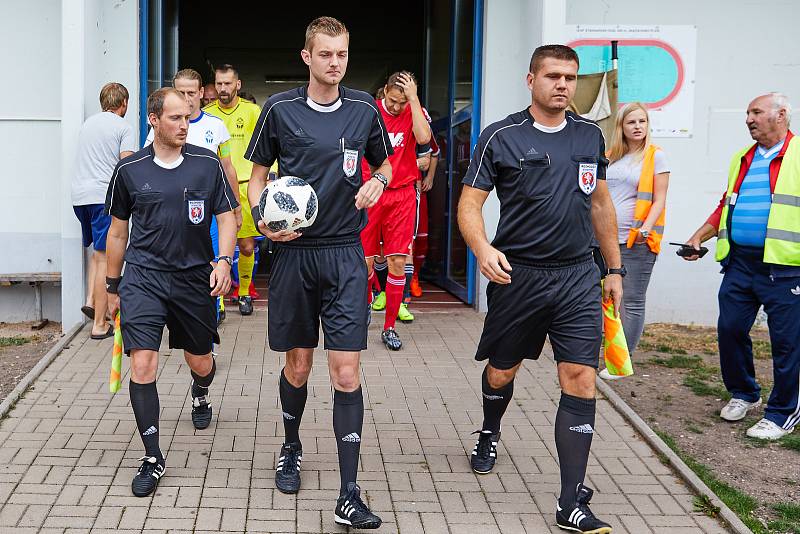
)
(245, 273)
(222, 304)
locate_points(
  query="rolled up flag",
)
(115, 378)
(615, 348)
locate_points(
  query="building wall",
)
(679, 291)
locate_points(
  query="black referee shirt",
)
(323, 145)
(171, 208)
(544, 179)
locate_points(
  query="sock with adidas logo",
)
(293, 403)
(495, 402)
(146, 409)
(574, 431)
(348, 419)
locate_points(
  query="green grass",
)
(660, 347)
(705, 389)
(762, 350)
(702, 379)
(789, 518)
(791, 442)
(702, 504)
(679, 361)
(14, 341)
(742, 504)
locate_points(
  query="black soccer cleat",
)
(287, 474)
(391, 339)
(146, 480)
(201, 412)
(484, 455)
(351, 510)
(579, 518)
(246, 305)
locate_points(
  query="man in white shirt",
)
(104, 139)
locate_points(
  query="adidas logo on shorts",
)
(288, 416)
(150, 431)
(352, 437)
(492, 397)
(583, 429)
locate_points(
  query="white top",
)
(622, 178)
(206, 131)
(101, 140)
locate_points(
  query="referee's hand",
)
(283, 235)
(494, 265)
(369, 194)
(612, 289)
(220, 279)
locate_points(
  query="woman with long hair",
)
(637, 177)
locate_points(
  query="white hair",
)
(781, 102)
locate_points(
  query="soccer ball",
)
(288, 203)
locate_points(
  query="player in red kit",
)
(393, 218)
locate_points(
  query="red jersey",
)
(400, 129)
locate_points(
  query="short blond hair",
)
(112, 96)
(325, 25)
(188, 74)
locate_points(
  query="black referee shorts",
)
(180, 300)
(313, 280)
(560, 301)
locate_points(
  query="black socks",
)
(293, 402)
(381, 271)
(574, 431)
(495, 402)
(200, 384)
(409, 271)
(146, 409)
(348, 419)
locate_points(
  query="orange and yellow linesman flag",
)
(615, 348)
(115, 378)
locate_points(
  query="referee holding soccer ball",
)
(170, 190)
(319, 133)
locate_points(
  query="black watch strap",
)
(112, 285)
(227, 259)
(382, 179)
(622, 271)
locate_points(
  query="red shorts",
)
(422, 216)
(391, 221)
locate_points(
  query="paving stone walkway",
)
(68, 450)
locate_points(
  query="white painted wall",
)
(731, 70)
(739, 56)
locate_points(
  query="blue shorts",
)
(94, 224)
(214, 236)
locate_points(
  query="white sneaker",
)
(766, 429)
(605, 375)
(736, 409)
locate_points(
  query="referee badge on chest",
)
(350, 163)
(587, 177)
(197, 211)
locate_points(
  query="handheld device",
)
(688, 250)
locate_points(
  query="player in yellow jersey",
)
(240, 117)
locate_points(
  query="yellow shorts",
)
(248, 228)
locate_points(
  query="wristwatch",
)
(622, 271)
(227, 259)
(644, 233)
(382, 179)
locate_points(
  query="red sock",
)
(372, 282)
(420, 251)
(394, 296)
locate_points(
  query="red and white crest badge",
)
(197, 211)
(350, 163)
(587, 177)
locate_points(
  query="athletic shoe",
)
(416, 289)
(287, 474)
(404, 315)
(580, 518)
(146, 480)
(605, 375)
(351, 510)
(246, 305)
(737, 409)
(766, 429)
(391, 339)
(201, 412)
(379, 302)
(484, 455)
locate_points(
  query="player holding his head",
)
(169, 190)
(240, 117)
(320, 132)
(393, 218)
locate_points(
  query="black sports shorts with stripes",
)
(180, 300)
(318, 279)
(561, 301)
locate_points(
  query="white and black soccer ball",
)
(288, 203)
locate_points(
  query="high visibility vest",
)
(782, 245)
(644, 201)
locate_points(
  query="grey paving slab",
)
(68, 449)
